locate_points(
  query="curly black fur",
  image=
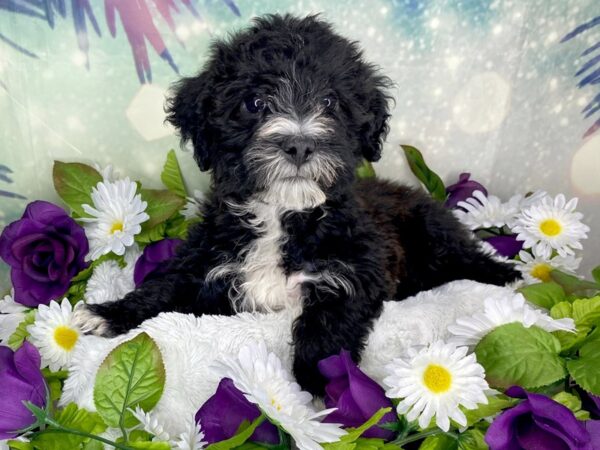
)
(360, 244)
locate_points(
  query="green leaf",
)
(512, 354)
(20, 334)
(154, 445)
(562, 310)
(573, 403)
(158, 233)
(242, 436)
(177, 227)
(569, 400)
(74, 182)
(70, 417)
(84, 274)
(370, 444)
(432, 182)
(19, 445)
(162, 204)
(171, 175)
(353, 434)
(440, 441)
(586, 369)
(132, 374)
(545, 295)
(76, 292)
(471, 440)
(494, 406)
(596, 274)
(365, 170)
(139, 436)
(93, 445)
(573, 285)
(586, 312)
(568, 341)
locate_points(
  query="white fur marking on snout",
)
(314, 125)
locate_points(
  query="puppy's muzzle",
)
(298, 149)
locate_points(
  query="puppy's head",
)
(285, 107)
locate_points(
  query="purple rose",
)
(20, 380)
(356, 396)
(152, 261)
(590, 402)
(462, 190)
(540, 422)
(45, 249)
(507, 246)
(222, 414)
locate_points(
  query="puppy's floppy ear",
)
(187, 110)
(375, 128)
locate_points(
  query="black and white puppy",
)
(283, 113)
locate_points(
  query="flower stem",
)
(62, 429)
(417, 436)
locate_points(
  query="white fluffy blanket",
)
(189, 344)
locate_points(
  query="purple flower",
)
(539, 422)
(590, 402)
(152, 261)
(222, 414)
(20, 380)
(45, 249)
(462, 190)
(507, 246)
(356, 396)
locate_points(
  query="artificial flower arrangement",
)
(521, 374)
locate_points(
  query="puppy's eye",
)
(328, 102)
(255, 104)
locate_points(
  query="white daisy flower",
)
(263, 380)
(191, 439)
(109, 282)
(551, 224)
(486, 212)
(193, 207)
(108, 173)
(435, 381)
(117, 215)
(526, 201)
(499, 311)
(150, 424)
(11, 315)
(536, 268)
(54, 334)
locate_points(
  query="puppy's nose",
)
(299, 149)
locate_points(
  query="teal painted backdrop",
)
(508, 90)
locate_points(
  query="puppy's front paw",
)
(90, 322)
(309, 378)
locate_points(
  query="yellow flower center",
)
(116, 226)
(276, 404)
(550, 227)
(437, 378)
(65, 337)
(541, 271)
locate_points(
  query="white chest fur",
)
(263, 283)
(258, 279)
(259, 282)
